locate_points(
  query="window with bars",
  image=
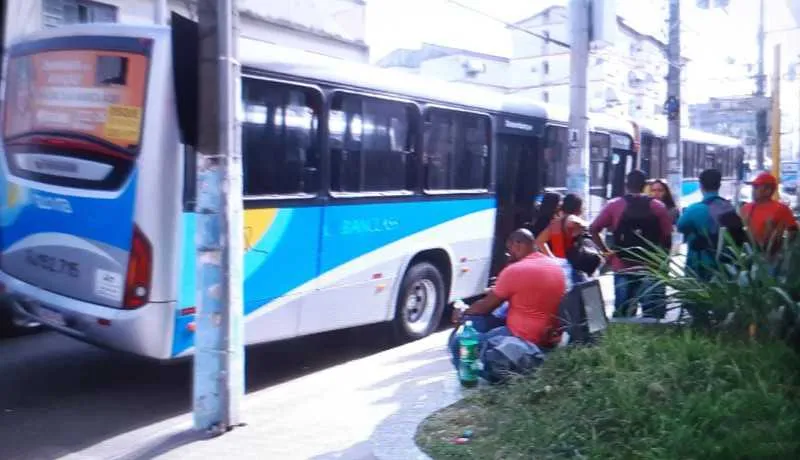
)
(60, 12)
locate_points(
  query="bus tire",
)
(420, 302)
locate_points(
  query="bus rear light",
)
(140, 266)
(72, 144)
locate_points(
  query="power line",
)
(508, 24)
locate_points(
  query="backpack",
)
(638, 225)
(723, 215)
(583, 254)
(503, 356)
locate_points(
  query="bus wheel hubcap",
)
(420, 305)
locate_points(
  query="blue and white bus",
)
(700, 151)
(370, 196)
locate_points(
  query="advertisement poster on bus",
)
(99, 94)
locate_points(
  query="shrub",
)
(752, 294)
(642, 393)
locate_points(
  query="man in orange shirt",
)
(533, 285)
(766, 218)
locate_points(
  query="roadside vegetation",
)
(726, 389)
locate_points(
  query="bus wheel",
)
(420, 302)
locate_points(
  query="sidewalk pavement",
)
(364, 409)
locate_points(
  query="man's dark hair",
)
(635, 181)
(521, 235)
(572, 203)
(710, 180)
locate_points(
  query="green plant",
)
(641, 393)
(753, 292)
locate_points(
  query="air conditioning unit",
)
(473, 67)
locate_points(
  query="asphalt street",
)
(59, 396)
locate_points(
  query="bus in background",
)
(700, 151)
(612, 155)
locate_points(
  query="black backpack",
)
(723, 215)
(583, 254)
(638, 225)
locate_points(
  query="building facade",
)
(334, 28)
(732, 116)
(626, 79)
(451, 64)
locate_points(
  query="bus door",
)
(518, 180)
(620, 163)
(599, 168)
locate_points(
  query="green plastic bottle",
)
(468, 355)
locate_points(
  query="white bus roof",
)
(258, 55)
(261, 56)
(659, 129)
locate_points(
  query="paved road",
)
(59, 396)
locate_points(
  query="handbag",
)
(583, 254)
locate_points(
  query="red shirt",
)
(533, 287)
(767, 221)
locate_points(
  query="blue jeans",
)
(630, 287)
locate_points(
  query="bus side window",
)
(555, 157)
(688, 159)
(280, 139)
(599, 147)
(189, 177)
(456, 151)
(372, 142)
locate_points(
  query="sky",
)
(720, 44)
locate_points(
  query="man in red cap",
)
(766, 218)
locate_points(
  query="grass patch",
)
(642, 393)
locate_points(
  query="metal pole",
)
(161, 12)
(219, 350)
(674, 156)
(578, 159)
(776, 117)
(761, 115)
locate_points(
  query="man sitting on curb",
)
(533, 284)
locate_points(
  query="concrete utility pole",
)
(219, 350)
(578, 159)
(761, 115)
(673, 106)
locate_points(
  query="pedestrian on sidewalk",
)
(555, 239)
(766, 218)
(702, 223)
(636, 221)
(658, 189)
(533, 285)
(701, 226)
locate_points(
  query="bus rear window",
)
(88, 87)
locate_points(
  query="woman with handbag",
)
(559, 238)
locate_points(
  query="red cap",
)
(765, 178)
